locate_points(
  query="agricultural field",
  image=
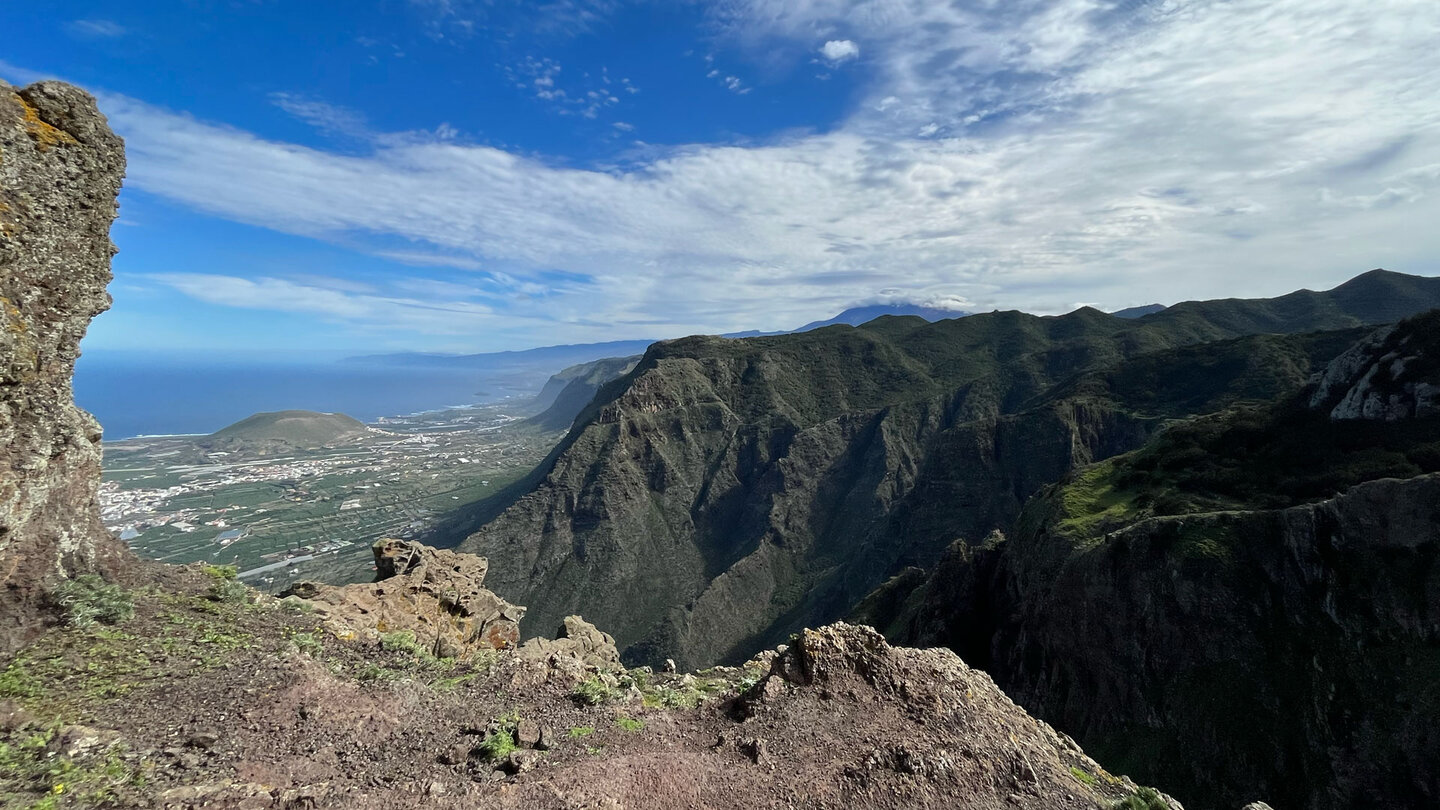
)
(282, 513)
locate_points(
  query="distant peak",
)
(1138, 312)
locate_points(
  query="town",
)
(311, 513)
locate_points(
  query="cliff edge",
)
(60, 172)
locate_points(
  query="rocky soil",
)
(214, 696)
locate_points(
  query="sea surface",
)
(135, 395)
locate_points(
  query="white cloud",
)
(1081, 150)
(330, 119)
(97, 29)
(839, 50)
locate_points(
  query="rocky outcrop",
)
(1287, 653)
(60, 171)
(436, 594)
(577, 639)
(1393, 374)
(934, 728)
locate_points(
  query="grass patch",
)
(581, 731)
(593, 691)
(499, 740)
(1082, 776)
(88, 600)
(629, 723)
(1094, 499)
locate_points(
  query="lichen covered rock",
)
(438, 595)
(60, 172)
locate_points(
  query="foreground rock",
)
(60, 171)
(435, 594)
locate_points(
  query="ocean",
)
(134, 395)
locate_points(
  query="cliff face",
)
(60, 171)
(1186, 630)
(1292, 652)
(726, 493)
(1394, 374)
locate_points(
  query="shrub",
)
(498, 744)
(88, 599)
(593, 691)
(500, 741)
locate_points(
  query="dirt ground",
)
(214, 696)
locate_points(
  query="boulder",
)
(435, 593)
(576, 639)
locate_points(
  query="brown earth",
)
(213, 696)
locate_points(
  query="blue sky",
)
(476, 175)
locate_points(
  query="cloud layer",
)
(1034, 155)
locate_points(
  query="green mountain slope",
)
(1263, 579)
(727, 492)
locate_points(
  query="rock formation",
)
(60, 171)
(437, 595)
(1394, 374)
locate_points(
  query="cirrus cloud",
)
(1024, 155)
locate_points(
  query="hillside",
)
(298, 429)
(1267, 566)
(567, 393)
(732, 491)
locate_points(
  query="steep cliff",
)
(60, 171)
(1209, 612)
(726, 493)
(567, 393)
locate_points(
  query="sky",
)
(483, 175)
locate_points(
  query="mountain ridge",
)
(731, 459)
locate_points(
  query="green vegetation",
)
(500, 742)
(1082, 776)
(46, 679)
(1094, 499)
(34, 777)
(1142, 799)
(581, 731)
(225, 588)
(629, 723)
(308, 643)
(87, 599)
(593, 691)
